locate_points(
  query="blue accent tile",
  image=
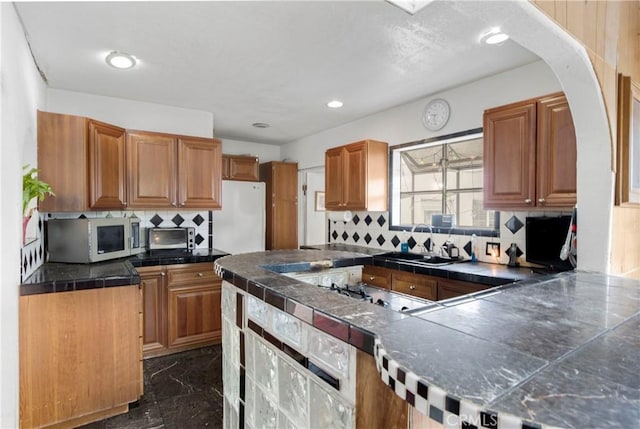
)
(436, 414)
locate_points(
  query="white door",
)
(313, 221)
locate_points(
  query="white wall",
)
(266, 152)
(22, 92)
(131, 114)
(403, 124)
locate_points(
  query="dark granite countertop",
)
(61, 277)
(481, 272)
(560, 350)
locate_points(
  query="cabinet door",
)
(80, 355)
(556, 153)
(452, 288)
(377, 276)
(414, 284)
(334, 171)
(62, 161)
(154, 302)
(107, 172)
(194, 305)
(151, 169)
(509, 156)
(243, 168)
(284, 206)
(200, 173)
(354, 179)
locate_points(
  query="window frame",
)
(394, 189)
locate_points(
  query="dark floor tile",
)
(195, 410)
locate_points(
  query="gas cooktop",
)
(378, 296)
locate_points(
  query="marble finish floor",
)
(182, 390)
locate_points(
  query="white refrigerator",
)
(239, 226)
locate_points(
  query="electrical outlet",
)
(493, 249)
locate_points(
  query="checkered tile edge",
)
(435, 403)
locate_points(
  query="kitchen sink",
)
(427, 259)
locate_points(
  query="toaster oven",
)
(171, 238)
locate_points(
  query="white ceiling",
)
(273, 62)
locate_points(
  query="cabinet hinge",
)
(304, 190)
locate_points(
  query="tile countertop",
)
(554, 351)
(61, 277)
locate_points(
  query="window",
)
(440, 176)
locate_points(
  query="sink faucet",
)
(430, 249)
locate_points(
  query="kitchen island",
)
(555, 351)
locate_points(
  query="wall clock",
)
(436, 114)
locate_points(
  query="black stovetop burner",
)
(378, 296)
(357, 291)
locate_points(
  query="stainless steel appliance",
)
(171, 238)
(93, 240)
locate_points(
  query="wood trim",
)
(378, 405)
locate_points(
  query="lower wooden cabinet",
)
(448, 288)
(377, 276)
(80, 355)
(415, 284)
(420, 285)
(181, 307)
(194, 301)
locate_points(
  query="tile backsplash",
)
(371, 229)
(33, 255)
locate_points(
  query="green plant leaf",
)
(32, 187)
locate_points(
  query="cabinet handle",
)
(412, 287)
(372, 277)
(200, 274)
(542, 200)
(124, 204)
(163, 274)
(527, 201)
(173, 204)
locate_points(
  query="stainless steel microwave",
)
(93, 240)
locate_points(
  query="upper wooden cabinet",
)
(169, 171)
(95, 166)
(356, 176)
(281, 179)
(530, 155)
(240, 167)
(63, 153)
(107, 175)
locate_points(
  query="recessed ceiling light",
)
(335, 104)
(120, 60)
(260, 125)
(494, 37)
